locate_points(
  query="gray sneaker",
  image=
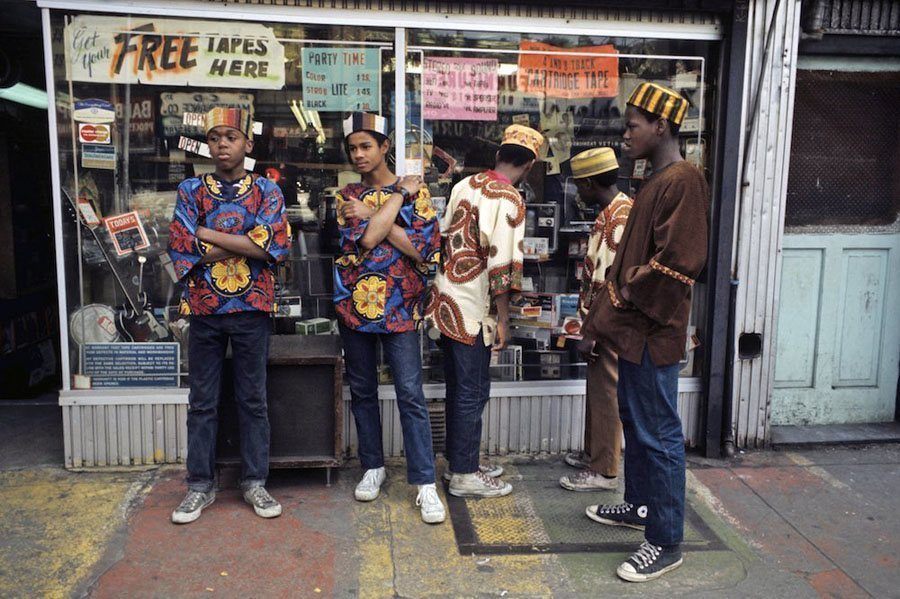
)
(192, 505)
(478, 485)
(263, 504)
(488, 469)
(577, 460)
(588, 480)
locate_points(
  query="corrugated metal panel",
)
(523, 424)
(761, 212)
(861, 17)
(497, 9)
(124, 435)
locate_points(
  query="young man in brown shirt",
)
(643, 317)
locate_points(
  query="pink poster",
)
(460, 89)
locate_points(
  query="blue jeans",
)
(207, 342)
(402, 353)
(468, 380)
(654, 446)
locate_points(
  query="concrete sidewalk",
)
(768, 524)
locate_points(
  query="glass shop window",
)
(464, 88)
(131, 95)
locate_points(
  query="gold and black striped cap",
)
(661, 101)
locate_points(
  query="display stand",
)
(306, 414)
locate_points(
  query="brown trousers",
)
(602, 427)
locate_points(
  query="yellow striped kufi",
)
(595, 161)
(661, 101)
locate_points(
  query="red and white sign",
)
(127, 232)
(89, 133)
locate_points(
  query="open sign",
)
(94, 134)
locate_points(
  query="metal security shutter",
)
(583, 11)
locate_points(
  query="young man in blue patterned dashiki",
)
(228, 230)
(388, 236)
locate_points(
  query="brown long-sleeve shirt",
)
(663, 249)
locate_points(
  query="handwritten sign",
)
(131, 364)
(558, 76)
(173, 52)
(342, 79)
(460, 89)
(173, 106)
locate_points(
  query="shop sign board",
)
(171, 52)
(460, 89)
(174, 105)
(93, 110)
(577, 76)
(339, 79)
(131, 364)
(98, 156)
(94, 134)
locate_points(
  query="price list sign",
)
(342, 79)
(460, 89)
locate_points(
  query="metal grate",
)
(845, 151)
(438, 426)
(860, 17)
(539, 517)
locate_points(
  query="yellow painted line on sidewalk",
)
(376, 570)
(422, 560)
(56, 526)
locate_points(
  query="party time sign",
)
(173, 52)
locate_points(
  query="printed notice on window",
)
(460, 89)
(342, 79)
(131, 364)
(590, 71)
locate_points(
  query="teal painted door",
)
(838, 344)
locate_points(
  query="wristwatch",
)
(403, 192)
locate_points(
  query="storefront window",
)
(131, 94)
(573, 89)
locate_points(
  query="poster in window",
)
(127, 233)
(591, 71)
(460, 89)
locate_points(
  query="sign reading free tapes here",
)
(131, 364)
(94, 134)
(184, 52)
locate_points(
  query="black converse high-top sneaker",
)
(649, 562)
(620, 514)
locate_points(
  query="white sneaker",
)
(430, 504)
(478, 485)
(370, 485)
(588, 480)
(488, 468)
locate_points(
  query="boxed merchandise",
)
(314, 326)
(566, 305)
(506, 364)
(530, 336)
(546, 365)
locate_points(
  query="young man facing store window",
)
(643, 316)
(228, 230)
(595, 172)
(388, 235)
(481, 264)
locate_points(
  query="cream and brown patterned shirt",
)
(481, 257)
(602, 244)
